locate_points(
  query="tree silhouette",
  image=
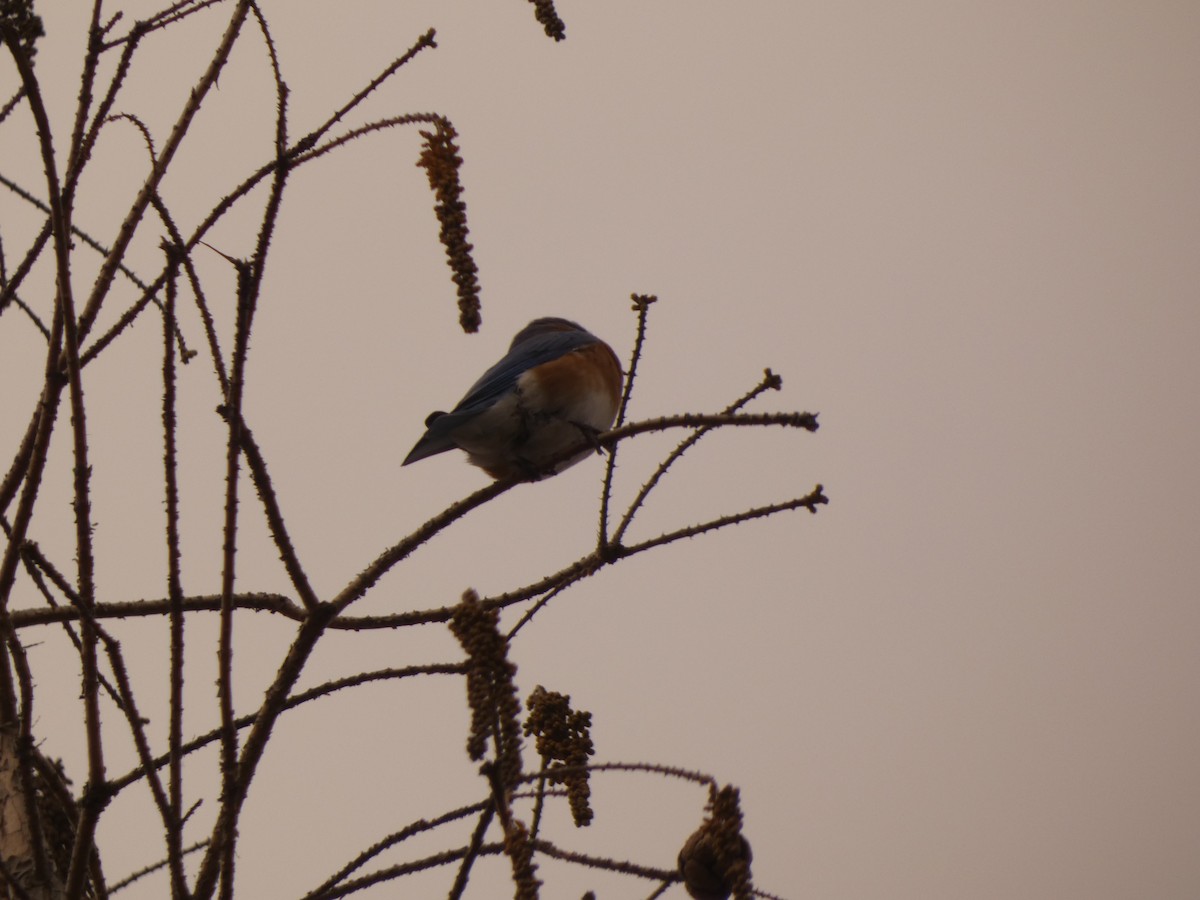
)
(58, 290)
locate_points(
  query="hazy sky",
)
(967, 234)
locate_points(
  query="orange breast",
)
(584, 385)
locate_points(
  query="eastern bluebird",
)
(557, 385)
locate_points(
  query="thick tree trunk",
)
(36, 826)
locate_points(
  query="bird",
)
(558, 387)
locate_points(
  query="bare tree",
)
(48, 830)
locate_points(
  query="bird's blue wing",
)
(530, 353)
(494, 384)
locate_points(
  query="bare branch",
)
(322, 690)
(240, 735)
(178, 132)
(641, 305)
(770, 381)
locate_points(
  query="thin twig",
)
(148, 292)
(210, 328)
(424, 41)
(137, 729)
(175, 851)
(11, 104)
(391, 873)
(464, 869)
(38, 568)
(641, 305)
(151, 869)
(809, 501)
(275, 520)
(528, 615)
(87, 81)
(298, 699)
(605, 864)
(770, 381)
(275, 700)
(223, 836)
(415, 828)
(129, 226)
(9, 289)
(163, 19)
(12, 480)
(132, 609)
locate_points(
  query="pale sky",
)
(966, 234)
